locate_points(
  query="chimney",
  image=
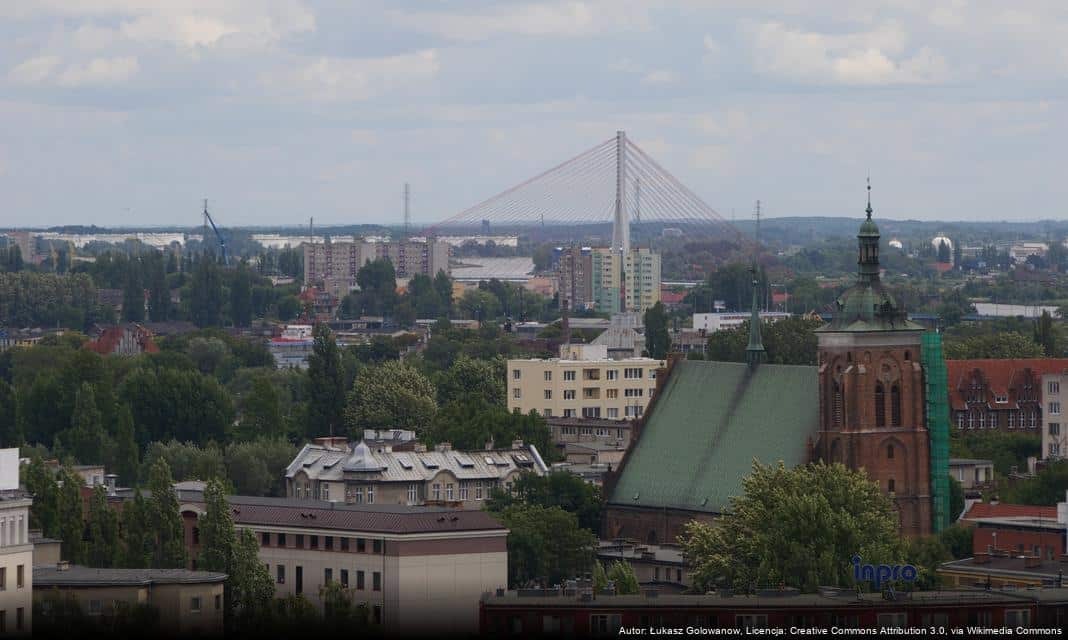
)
(489, 445)
(442, 447)
(63, 565)
(517, 444)
(419, 448)
(111, 481)
(981, 558)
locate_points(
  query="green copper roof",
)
(869, 228)
(869, 306)
(706, 427)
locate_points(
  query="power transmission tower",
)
(407, 210)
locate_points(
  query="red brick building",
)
(1016, 529)
(872, 412)
(1005, 395)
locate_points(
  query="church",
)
(865, 405)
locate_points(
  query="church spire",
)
(868, 210)
(868, 250)
(755, 353)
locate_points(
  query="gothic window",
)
(895, 405)
(982, 420)
(971, 419)
(960, 420)
(890, 486)
(880, 405)
(889, 452)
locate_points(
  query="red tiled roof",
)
(1002, 510)
(1001, 376)
(110, 337)
(671, 297)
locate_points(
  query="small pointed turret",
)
(755, 353)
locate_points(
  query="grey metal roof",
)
(77, 575)
(319, 462)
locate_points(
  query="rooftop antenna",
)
(407, 209)
(311, 229)
(757, 216)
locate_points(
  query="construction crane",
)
(222, 241)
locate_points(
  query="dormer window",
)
(1001, 399)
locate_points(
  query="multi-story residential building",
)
(655, 566)
(16, 550)
(340, 261)
(1007, 395)
(602, 279)
(188, 602)
(564, 431)
(419, 570)
(583, 383)
(292, 348)
(329, 470)
(1055, 430)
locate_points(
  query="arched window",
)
(838, 401)
(895, 405)
(889, 452)
(880, 405)
(890, 486)
(982, 420)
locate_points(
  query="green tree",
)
(164, 519)
(944, 253)
(206, 293)
(390, 396)
(657, 338)
(1007, 344)
(70, 517)
(186, 460)
(39, 481)
(1047, 487)
(125, 460)
(799, 527)
(86, 440)
(184, 405)
(545, 544)
(138, 540)
(257, 467)
(471, 423)
(956, 498)
(622, 575)
(957, 539)
(926, 554)
(133, 294)
(470, 378)
(260, 412)
(600, 578)
(10, 431)
(443, 287)
(217, 537)
(1048, 336)
(326, 390)
(340, 611)
(241, 296)
(556, 489)
(103, 531)
(159, 294)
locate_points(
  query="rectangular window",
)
(547, 413)
(218, 602)
(371, 494)
(357, 495)
(265, 539)
(516, 374)
(361, 545)
(436, 491)
(611, 393)
(1055, 408)
(448, 492)
(194, 604)
(376, 546)
(517, 393)
(281, 579)
(300, 540)
(463, 490)
(548, 376)
(548, 394)
(300, 580)
(652, 374)
(345, 578)
(20, 576)
(478, 490)
(328, 576)
(281, 539)
(3, 578)
(569, 413)
(611, 374)
(19, 619)
(591, 412)
(376, 581)
(1054, 386)
(344, 544)
(413, 493)
(612, 412)
(324, 492)
(376, 614)
(328, 543)
(314, 542)
(359, 580)
(569, 375)
(1055, 428)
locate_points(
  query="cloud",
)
(50, 71)
(661, 77)
(331, 78)
(34, 71)
(875, 57)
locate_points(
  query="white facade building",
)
(729, 320)
(16, 550)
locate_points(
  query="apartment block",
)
(339, 262)
(16, 550)
(1054, 440)
(599, 278)
(419, 570)
(583, 383)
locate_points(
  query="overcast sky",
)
(131, 111)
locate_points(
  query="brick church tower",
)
(872, 411)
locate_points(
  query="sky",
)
(129, 112)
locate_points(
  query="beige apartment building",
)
(1054, 439)
(338, 262)
(329, 470)
(418, 570)
(583, 383)
(600, 278)
(16, 550)
(189, 602)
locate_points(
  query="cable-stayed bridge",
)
(614, 182)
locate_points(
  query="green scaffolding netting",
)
(934, 367)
